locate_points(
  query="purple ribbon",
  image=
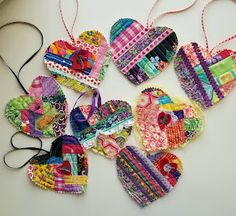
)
(95, 103)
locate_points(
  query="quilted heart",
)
(141, 53)
(164, 123)
(64, 169)
(41, 113)
(206, 78)
(147, 177)
(79, 66)
(107, 129)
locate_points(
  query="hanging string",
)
(15, 148)
(204, 28)
(95, 102)
(150, 25)
(70, 33)
(17, 75)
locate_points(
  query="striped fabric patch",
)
(147, 177)
(206, 78)
(141, 53)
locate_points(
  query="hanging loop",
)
(17, 75)
(15, 148)
(204, 29)
(96, 102)
(70, 33)
(150, 24)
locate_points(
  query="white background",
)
(207, 186)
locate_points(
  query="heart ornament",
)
(164, 123)
(141, 53)
(147, 177)
(205, 77)
(41, 113)
(63, 169)
(107, 130)
(81, 65)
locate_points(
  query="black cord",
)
(17, 76)
(15, 148)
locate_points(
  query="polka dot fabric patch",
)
(80, 66)
(64, 169)
(107, 129)
(141, 53)
(206, 78)
(147, 178)
(164, 123)
(41, 113)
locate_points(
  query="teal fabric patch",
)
(147, 66)
(164, 100)
(119, 27)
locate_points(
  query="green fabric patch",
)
(206, 84)
(222, 67)
(192, 125)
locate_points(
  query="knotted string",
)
(15, 148)
(17, 75)
(150, 25)
(204, 28)
(96, 102)
(70, 33)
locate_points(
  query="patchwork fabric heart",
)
(81, 66)
(107, 129)
(147, 177)
(41, 113)
(141, 53)
(206, 78)
(64, 169)
(165, 123)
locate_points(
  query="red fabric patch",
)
(163, 120)
(72, 149)
(225, 54)
(65, 168)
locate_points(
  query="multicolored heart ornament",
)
(41, 113)
(206, 78)
(82, 65)
(141, 53)
(64, 169)
(106, 130)
(164, 123)
(147, 177)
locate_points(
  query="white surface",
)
(207, 186)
